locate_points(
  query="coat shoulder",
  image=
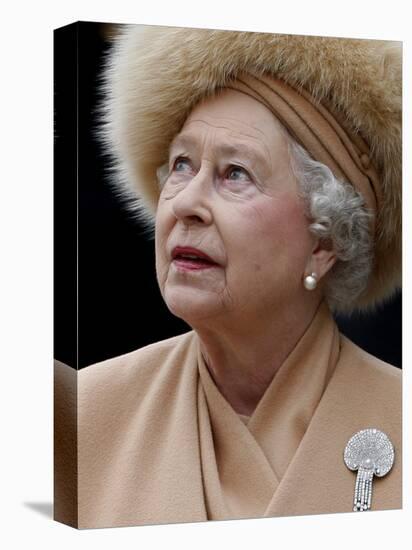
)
(371, 365)
(139, 366)
(377, 383)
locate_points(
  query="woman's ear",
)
(322, 259)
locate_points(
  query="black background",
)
(119, 304)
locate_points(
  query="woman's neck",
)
(243, 361)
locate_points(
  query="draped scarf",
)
(243, 465)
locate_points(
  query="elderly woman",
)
(271, 166)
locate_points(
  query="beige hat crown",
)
(156, 75)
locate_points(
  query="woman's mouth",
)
(191, 259)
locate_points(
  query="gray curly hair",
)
(338, 217)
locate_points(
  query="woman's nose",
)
(192, 203)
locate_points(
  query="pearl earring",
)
(310, 281)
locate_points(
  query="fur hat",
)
(156, 75)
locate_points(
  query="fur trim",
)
(156, 75)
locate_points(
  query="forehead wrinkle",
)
(219, 119)
(238, 122)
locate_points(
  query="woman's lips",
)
(191, 259)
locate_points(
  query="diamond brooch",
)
(370, 452)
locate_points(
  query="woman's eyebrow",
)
(182, 140)
(250, 151)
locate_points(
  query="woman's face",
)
(232, 239)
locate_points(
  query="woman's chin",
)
(192, 306)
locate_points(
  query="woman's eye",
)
(181, 164)
(236, 173)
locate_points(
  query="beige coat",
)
(157, 442)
